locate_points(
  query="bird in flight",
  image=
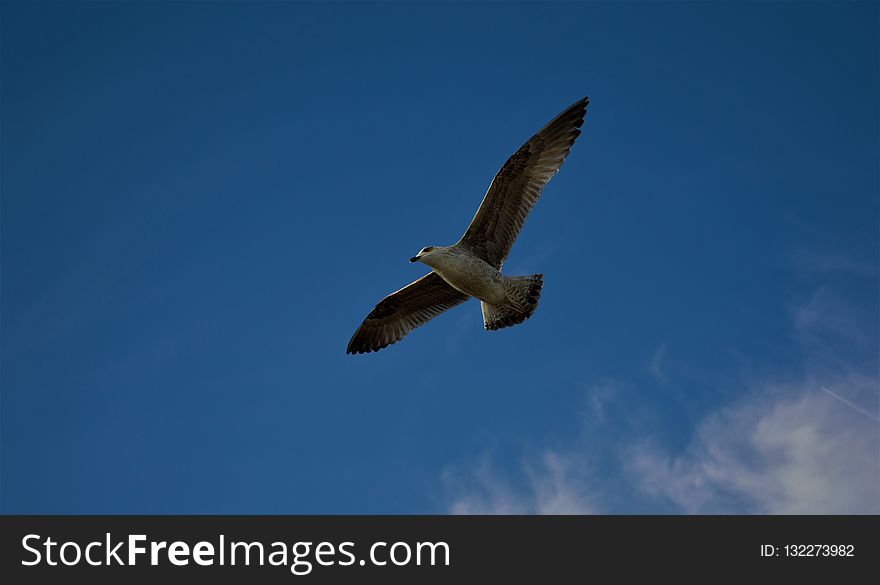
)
(472, 266)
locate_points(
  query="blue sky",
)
(201, 202)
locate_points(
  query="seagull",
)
(472, 266)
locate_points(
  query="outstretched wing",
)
(518, 184)
(402, 311)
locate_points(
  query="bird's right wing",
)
(402, 311)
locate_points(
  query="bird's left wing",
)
(402, 311)
(518, 184)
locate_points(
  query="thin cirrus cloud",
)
(796, 444)
(799, 452)
(553, 485)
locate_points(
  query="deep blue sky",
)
(201, 202)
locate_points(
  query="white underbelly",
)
(482, 282)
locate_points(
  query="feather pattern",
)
(486, 243)
(517, 186)
(402, 311)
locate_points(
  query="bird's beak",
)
(414, 259)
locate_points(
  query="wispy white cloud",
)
(554, 484)
(598, 396)
(851, 404)
(805, 443)
(656, 364)
(828, 323)
(780, 451)
(821, 263)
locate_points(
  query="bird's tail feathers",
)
(523, 293)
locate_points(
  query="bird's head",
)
(425, 253)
